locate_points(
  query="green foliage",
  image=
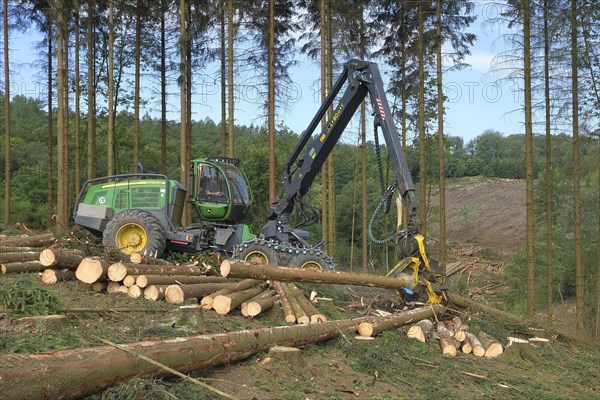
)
(25, 297)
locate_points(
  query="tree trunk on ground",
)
(51, 276)
(14, 249)
(224, 304)
(117, 272)
(299, 312)
(51, 374)
(141, 269)
(137, 258)
(421, 330)
(476, 347)
(92, 269)
(259, 304)
(154, 292)
(19, 256)
(448, 344)
(129, 281)
(466, 303)
(145, 280)
(134, 291)
(207, 301)
(63, 258)
(26, 266)
(458, 329)
(264, 295)
(240, 269)
(29, 241)
(290, 317)
(492, 347)
(311, 311)
(178, 293)
(381, 324)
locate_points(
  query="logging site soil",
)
(486, 227)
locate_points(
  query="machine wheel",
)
(256, 253)
(135, 231)
(308, 261)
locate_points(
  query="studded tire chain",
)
(286, 252)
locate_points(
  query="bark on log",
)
(207, 301)
(63, 258)
(137, 258)
(91, 269)
(51, 276)
(224, 304)
(113, 287)
(421, 330)
(19, 256)
(299, 313)
(492, 347)
(145, 280)
(117, 272)
(12, 249)
(311, 311)
(123, 289)
(458, 328)
(178, 293)
(466, 303)
(99, 286)
(381, 324)
(290, 317)
(17, 267)
(28, 241)
(466, 346)
(447, 342)
(52, 374)
(141, 269)
(259, 303)
(476, 347)
(240, 269)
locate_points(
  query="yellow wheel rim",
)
(131, 238)
(257, 257)
(311, 265)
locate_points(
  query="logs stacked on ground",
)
(290, 317)
(207, 301)
(313, 314)
(372, 328)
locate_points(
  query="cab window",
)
(212, 185)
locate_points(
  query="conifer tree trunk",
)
(183, 87)
(136, 94)
(549, 208)
(163, 89)
(331, 157)
(441, 147)
(576, 172)
(111, 111)
(324, 219)
(6, 119)
(363, 134)
(62, 168)
(422, 181)
(50, 198)
(77, 103)
(230, 104)
(528, 160)
(91, 96)
(223, 84)
(271, 99)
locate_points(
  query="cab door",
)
(212, 192)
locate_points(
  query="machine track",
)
(282, 254)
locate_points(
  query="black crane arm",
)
(363, 79)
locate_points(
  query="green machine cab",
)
(143, 212)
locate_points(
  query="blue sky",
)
(476, 101)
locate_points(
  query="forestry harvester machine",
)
(143, 212)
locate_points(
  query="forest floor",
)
(485, 227)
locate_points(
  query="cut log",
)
(492, 347)
(178, 293)
(466, 346)
(466, 303)
(51, 374)
(257, 306)
(51, 276)
(459, 329)
(12, 249)
(299, 313)
(26, 266)
(290, 317)
(207, 301)
(28, 241)
(123, 289)
(289, 355)
(179, 279)
(381, 324)
(240, 269)
(137, 258)
(421, 330)
(142, 269)
(63, 258)
(134, 291)
(311, 311)
(223, 304)
(116, 272)
(476, 347)
(129, 281)
(19, 256)
(92, 269)
(113, 287)
(448, 344)
(99, 286)
(154, 292)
